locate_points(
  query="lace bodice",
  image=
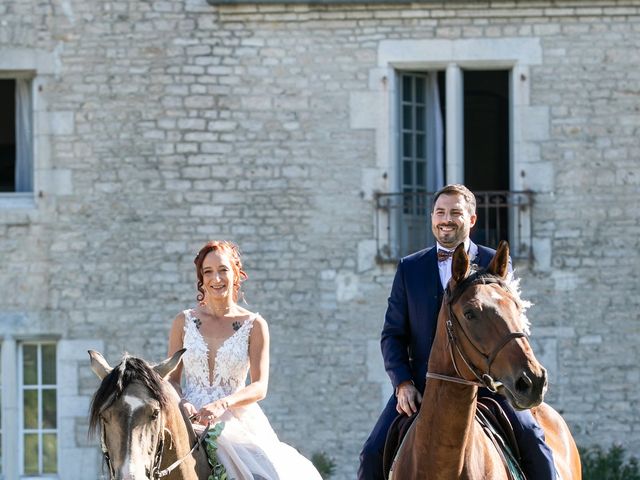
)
(230, 367)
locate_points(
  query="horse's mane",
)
(129, 370)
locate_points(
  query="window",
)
(421, 156)
(479, 128)
(16, 134)
(38, 443)
(484, 146)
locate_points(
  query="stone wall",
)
(163, 124)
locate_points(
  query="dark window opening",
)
(7, 135)
(486, 150)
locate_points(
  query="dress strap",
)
(190, 321)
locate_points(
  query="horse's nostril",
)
(524, 383)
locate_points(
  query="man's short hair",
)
(457, 189)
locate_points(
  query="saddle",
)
(494, 423)
(396, 433)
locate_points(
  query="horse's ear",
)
(99, 365)
(499, 265)
(167, 366)
(460, 264)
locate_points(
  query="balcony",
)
(403, 222)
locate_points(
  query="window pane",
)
(407, 120)
(420, 146)
(407, 140)
(29, 364)
(31, 453)
(49, 409)
(419, 90)
(49, 364)
(420, 116)
(406, 88)
(407, 178)
(30, 409)
(420, 174)
(49, 453)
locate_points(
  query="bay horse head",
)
(134, 408)
(488, 331)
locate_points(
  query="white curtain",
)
(24, 137)
(435, 136)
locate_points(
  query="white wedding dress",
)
(247, 447)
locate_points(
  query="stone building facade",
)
(156, 125)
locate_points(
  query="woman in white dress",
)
(224, 342)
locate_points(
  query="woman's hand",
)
(212, 411)
(190, 410)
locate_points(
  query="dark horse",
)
(144, 432)
(480, 341)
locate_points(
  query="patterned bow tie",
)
(443, 255)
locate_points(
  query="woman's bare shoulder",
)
(260, 325)
(179, 319)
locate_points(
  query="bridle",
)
(484, 379)
(155, 472)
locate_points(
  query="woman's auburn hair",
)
(233, 252)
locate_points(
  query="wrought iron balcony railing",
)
(403, 222)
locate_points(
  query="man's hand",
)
(409, 399)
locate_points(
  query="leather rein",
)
(155, 473)
(484, 379)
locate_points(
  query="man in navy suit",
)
(410, 326)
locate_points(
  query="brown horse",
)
(144, 432)
(480, 341)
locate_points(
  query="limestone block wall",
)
(163, 124)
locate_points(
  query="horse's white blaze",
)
(132, 469)
(133, 402)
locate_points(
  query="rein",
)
(174, 465)
(483, 379)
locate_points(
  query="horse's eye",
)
(154, 414)
(469, 315)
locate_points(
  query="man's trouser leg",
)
(537, 458)
(371, 457)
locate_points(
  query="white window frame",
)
(39, 387)
(22, 199)
(18, 77)
(12, 408)
(40, 67)
(528, 170)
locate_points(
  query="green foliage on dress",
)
(218, 472)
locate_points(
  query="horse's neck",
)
(446, 420)
(177, 445)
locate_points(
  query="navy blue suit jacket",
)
(412, 315)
